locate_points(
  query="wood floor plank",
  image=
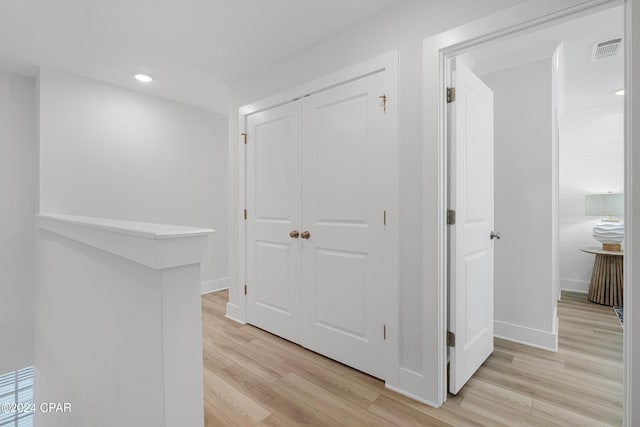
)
(554, 414)
(340, 385)
(254, 378)
(214, 360)
(284, 406)
(518, 401)
(499, 414)
(240, 356)
(342, 411)
(595, 405)
(235, 405)
(401, 415)
(236, 335)
(288, 347)
(599, 370)
(272, 421)
(579, 379)
(451, 412)
(214, 416)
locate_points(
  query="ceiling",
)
(587, 83)
(192, 48)
(195, 48)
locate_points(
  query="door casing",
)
(444, 47)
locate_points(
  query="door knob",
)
(294, 234)
(495, 235)
(305, 235)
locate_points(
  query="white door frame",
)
(451, 44)
(388, 63)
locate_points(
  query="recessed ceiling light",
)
(620, 92)
(143, 78)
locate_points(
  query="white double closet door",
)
(320, 174)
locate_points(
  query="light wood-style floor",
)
(254, 378)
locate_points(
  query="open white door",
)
(471, 237)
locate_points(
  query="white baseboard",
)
(234, 313)
(214, 285)
(411, 395)
(523, 335)
(411, 384)
(574, 285)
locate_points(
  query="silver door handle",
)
(495, 235)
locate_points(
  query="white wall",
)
(524, 207)
(117, 326)
(79, 357)
(591, 161)
(418, 30)
(18, 204)
(403, 28)
(115, 153)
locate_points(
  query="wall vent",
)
(606, 48)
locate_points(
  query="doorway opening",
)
(559, 142)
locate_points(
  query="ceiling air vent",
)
(605, 48)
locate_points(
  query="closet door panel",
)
(344, 130)
(273, 212)
(339, 161)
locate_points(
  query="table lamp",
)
(609, 232)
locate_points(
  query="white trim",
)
(214, 285)
(527, 336)
(411, 382)
(392, 69)
(569, 290)
(382, 62)
(411, 396)
(532, 24)
(574, 285)
(133, 241)
(234, 313)
(443, 253)
(628, 361)
(447, 45)
(240, 310)
(143, 230)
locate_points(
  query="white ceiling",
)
(587, 83)
(193, 48)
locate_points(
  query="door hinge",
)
(245, 214)
(451, 339)
(245, 289)
(451, 217)
(451, 94)
(384, 218)
(244, 137)
(384, 332)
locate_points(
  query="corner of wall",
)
(214, 285)
(532, 337)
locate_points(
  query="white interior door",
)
(348, 174)
(273, 203)
(471, 247)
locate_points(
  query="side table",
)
(606, 279)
